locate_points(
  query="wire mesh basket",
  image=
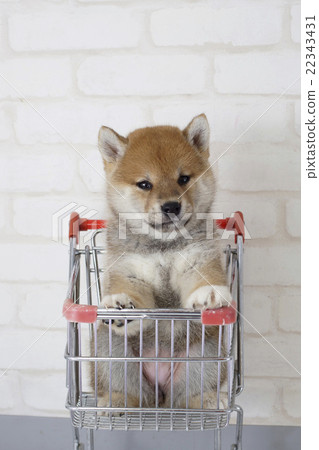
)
(194, 384)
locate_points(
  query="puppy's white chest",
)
(151, 269)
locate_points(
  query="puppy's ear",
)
(197, 133)
(111, 145)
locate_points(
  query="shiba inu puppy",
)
(160, 186)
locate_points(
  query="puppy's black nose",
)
(171, 208)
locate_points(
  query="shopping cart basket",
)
(84, 315)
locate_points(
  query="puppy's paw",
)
(118, 401)
(209, 297)
(209, 401)
(120, 301)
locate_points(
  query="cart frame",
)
(83, 406)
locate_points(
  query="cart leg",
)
(76, 439)
(90, 439)
(239, 428)
(218, 439)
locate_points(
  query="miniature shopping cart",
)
(84, 315)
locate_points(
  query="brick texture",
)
(291, 399)
(260, 405)
(258, 73)
(290, 301)
(262, 168)
(76, 122)
(36, 172)
(32, 349)
(202, 25)
(276, 265)
(295, 23)
(231, 119)
(259, 310)
(9, 391)
(32, 311)
(92, 28)
(45, 392)
(281, 354)
(143, 75)
(35, 77)
(293, 217)
(5, 126)
(9, 298)
(34, 262)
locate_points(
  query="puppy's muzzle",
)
(171, 208)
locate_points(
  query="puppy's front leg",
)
(128, 293)
(204, 286)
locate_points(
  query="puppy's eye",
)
(145, 185)
(183, 179)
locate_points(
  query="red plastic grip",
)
(235, 223)
(74, 312)
(220, 316)
(87, 224)
(74, 226)
(78, 224)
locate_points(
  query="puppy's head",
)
(161, 171)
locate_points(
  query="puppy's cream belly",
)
(163, 369)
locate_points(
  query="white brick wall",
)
(4, 205)
(295, 23)
(35, 216)
(76, 121)
(269, 358)
(269, 265)
(73, 66)
(260, 404)
(31, 349)
(93, 28)
(257, 73)
(33, 314)
(289, 301)
(201, 25)
(5, 126)
(34, 262)
(260, 213)
(9, 298)
(9, 391)
(88, 172)
(297, 118)
(143, 75)
(35, 77)
(261, 168)
(44, 391)
(259, 310)
(230, 118)
(291, 398)
(35, 171)
(293, 217)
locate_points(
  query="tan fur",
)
(151, 272)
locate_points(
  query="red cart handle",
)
(235, 223)
(220, 316)
(73, 312)
(77, 224)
